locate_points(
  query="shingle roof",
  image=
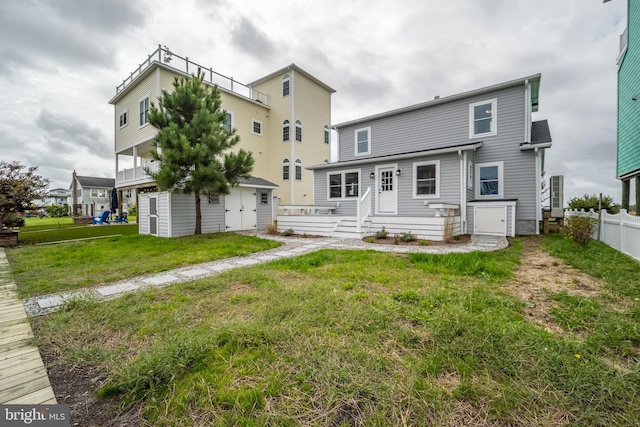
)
(93, 182)
(254, 180)
(540, 132)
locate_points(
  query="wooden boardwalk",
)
(23, 377)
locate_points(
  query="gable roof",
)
(90, 181)
(534, 80)
(255, 181)
(540, 132)
(297, 69)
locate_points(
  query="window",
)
(363, 141)
(264, 198)
(124, 118)
(285, 130)
(489, 178)
(94, 192)
(256, 127)
(426, 180)
(298, 131)
(144, 110)
(483, 118)
(285, 169)
(285, 85)
(228, 123)
(98, 192)
(343, 185)
(213, 198)
(470, 174)
(327, 135)
(298, 169)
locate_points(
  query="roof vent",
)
(436, 97)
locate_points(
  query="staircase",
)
(347, 227)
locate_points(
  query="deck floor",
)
(23, 377)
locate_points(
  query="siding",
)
(164, 198)
(133, 132)
(143, 213)
(264, 211)
(183, 215)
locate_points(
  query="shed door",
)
(241, 213)
(153, 215)
(490, 220)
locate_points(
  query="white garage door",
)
(490, 220)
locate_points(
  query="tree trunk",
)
(198, 214)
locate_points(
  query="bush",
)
(408, 237)
(288, 232)
(57, 211)
(580, 229)
(13, 221)
(382, 234)
(370, 240)
(587, 202)
(133, 210)
(424, 243)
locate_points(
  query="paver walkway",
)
(23, 377)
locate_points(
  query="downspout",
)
(538, 192)
(463, 195)
(527, 112)
(292, 141)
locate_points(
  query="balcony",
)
(135, 176)
(163, 55)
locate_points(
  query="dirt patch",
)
(391, 240)
(540, 275)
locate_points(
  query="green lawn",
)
(341, 338)
(60, 267)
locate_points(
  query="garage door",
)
(490, 220)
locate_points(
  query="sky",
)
(61, 60)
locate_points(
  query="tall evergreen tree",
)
(192, 143)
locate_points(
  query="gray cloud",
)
(251, 39)
(68, 134)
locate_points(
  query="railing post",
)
(211, 75)
(159, 53)
(187, 62)
(621, 228)
(231, 84)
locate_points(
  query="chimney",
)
(74, 194)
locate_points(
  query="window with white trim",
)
(489, 180)
(98, 192)
(363, 141)
(327, 135)
(285, 130)
(299, 169)
(285, 169)
(483, 118)
(124, 118)
(298, 131)
(256, 127)
(228, 122)
(426, 180)
(470, 169)
(144, 110)
(343, 185)
(264, 198)
(285, 85)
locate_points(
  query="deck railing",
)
(164, 56)
(363, 208)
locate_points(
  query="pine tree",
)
(192, 143)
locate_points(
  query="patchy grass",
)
(47, 269)
(341, 338)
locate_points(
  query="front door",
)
(387, 191)
(240, 206)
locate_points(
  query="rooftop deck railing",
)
(164, 56)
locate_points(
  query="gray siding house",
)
(471, 161)
(89, 195)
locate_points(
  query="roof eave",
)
(525, 147)
(294, 67)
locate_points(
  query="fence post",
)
(599, 215)
(622, 242)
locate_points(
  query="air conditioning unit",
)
(556, 183)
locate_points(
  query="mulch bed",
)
(390, 240)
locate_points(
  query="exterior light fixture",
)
(372, 175)
(399, 172)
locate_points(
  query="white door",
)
(153, 215)
(240, 206)
(387, 191)
(490, 220)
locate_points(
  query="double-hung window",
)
(285, 130)
(144, 110)
(490, 181)
(285, 85)
(298, 131)
(124, 118)
(228, 121)
(483, 118)
(298, 169)
(343, 185)
(363, 141)
(426, 183)
(285, 169)
(327, 135)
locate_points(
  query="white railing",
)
(164, 56)
(363, 208)
(136, 175)
(620, 231)
(624, 39)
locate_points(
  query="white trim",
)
(355, 141)
(253, 122)
(286, 78)
(229, 112)
(393, 166)
(538, 183)
(525, 147)
(292, 138)
(343, 188)
(494, 118)
(298, 124)
(288, 127)
(288, 164)
(297, 163)
(494, 202)
(125, 111)
(470, 173)
(147, 96)
(500, 194)
(169, 210)
(415, 180)
(463, 191)
(327, 135)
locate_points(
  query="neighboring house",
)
(469, 163)
(57, 196)
(628, 141)
(89, 195)
(282, 118)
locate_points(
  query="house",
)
(56, 196)
(282, 118)
(469, 163)
(89, 195)
(628, 139)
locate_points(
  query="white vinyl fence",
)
(620, 231)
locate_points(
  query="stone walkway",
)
(23, 377)
(42, 305)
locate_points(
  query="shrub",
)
(13, 221)
(382, 234)
(133, 210)
(408, 237)
(580, 229)
(57, 211)
(288, 232)
(272, 228)
(370, 240)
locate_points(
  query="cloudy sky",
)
(60, 61)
